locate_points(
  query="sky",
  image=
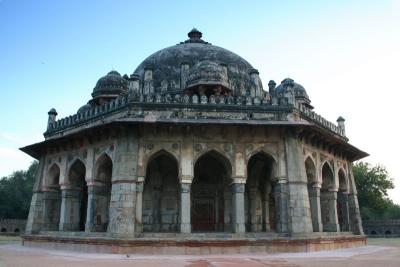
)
(345, 53)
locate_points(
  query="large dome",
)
(168, 66)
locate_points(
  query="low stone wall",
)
(382, 228)
(14, 226)
(193, 245)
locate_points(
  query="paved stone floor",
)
(377, 253)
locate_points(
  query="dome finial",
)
(195, 34)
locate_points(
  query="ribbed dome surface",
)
(168, 64)
(111, 84)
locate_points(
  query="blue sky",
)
(345, 53)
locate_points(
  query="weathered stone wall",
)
(12, 226)
(379, 228)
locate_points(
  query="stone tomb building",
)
(191, 148)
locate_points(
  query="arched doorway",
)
(328, 200)
(79, 196)
(101, 194)
(52, 199)
(313, 194)
(160, 212)
(342, 202)
(260, 210)
(211, 195)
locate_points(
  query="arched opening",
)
(387, 232)
(373, 233)
(52, 199)
(328, 202)
(161, 194)
(342, 201)
(260, 211)
(101, 194)
(313, 195)
(3, 230)
(16, 230)
(79, 200)
(211, 194)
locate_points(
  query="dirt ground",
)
(379, 252)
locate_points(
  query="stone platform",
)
(193, 244)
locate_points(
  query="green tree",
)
(16, 193)
(372, 183)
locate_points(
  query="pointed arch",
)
(313, 192)
(218, 155)
(103, 168)
(311, 170)
(211, 193)
(260, 208)
(328, 199)
(76, 178)
(100, 197)
(160, 210)
(328, 178)
(343, 201)
(343, 181)
(76, 173)
(52, 199)
(53, 176)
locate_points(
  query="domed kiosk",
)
(188, 155)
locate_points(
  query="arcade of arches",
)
(209, 204)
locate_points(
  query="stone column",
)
(314, 192)
(299, 220)
(70, 206)
(238, 208)
(185, 226)
(35, 217)
(139, 205)
(123, 191)
(343, 200)
(328, 203)
(265, 211)
(252, 195)
(51, 208)
(354, 210)
(281, 196)
(156, 194)
(97, 216)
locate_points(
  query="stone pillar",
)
(328, 203)
(51, 210)
(281, 196)
(299, 205)
(314, 193)
(97, 216)
(265, 211)
(354, 210)
(156, 195)
(70, 207)
(185, 226)
(343, 200)
(35, 217)
(252, 195)
(123, 191)
(139, 205)
(238, 208)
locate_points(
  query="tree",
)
(16, 193)
(372, 186)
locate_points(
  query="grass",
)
(391, 242)
(9, 239)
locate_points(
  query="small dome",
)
(207, 73)
(84, 108)
(113, 84)
(298, 89)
